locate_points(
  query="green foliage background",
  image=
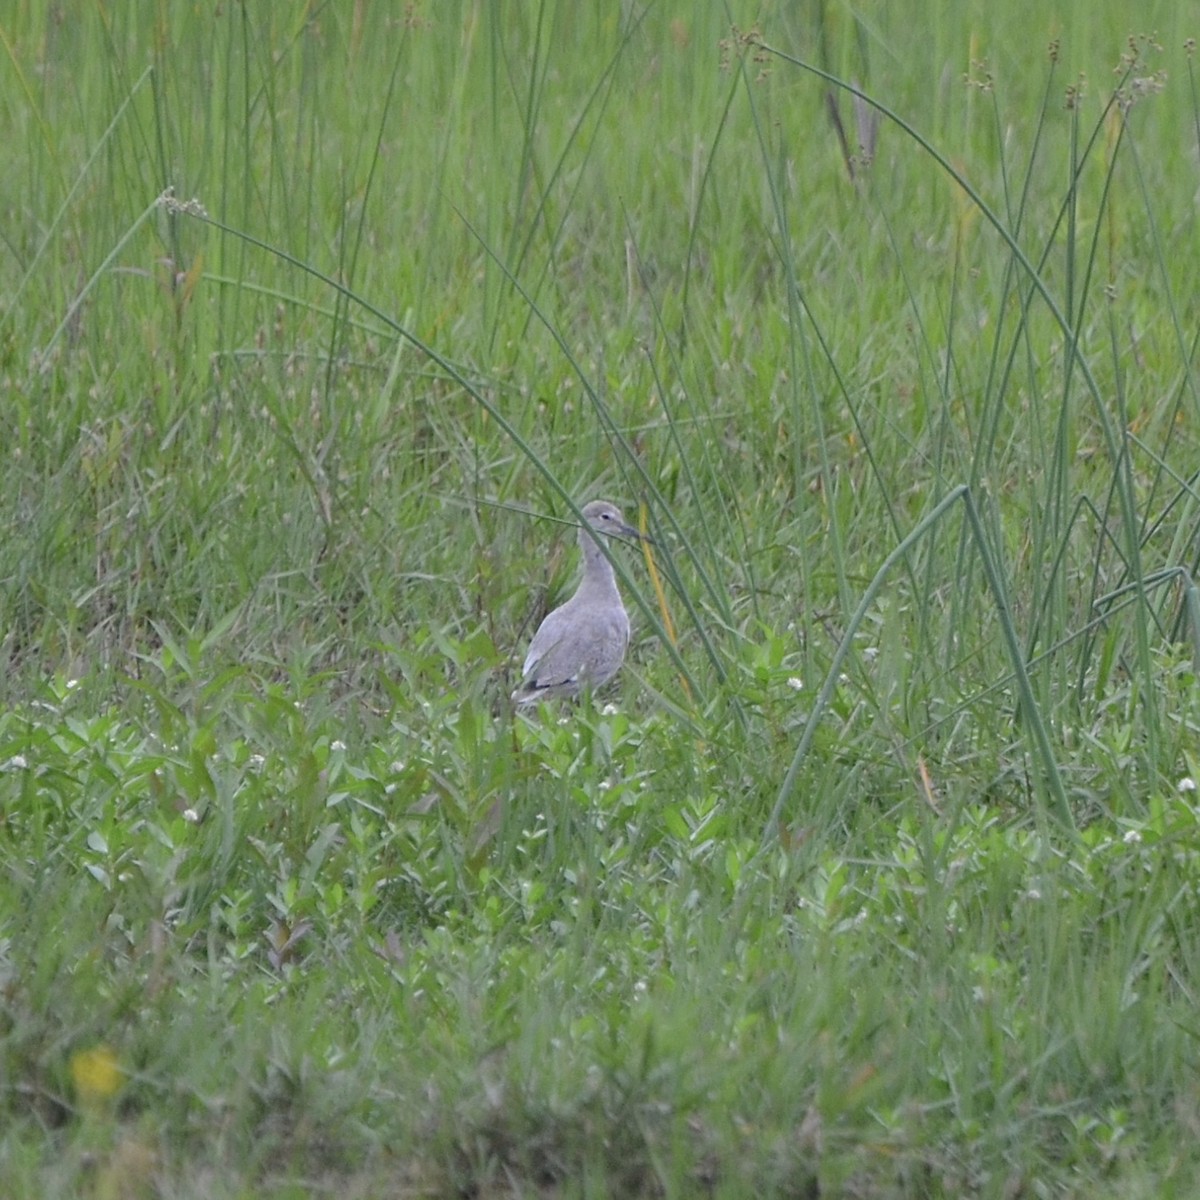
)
(877, 874)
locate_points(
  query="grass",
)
(875, 874)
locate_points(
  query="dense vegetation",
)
(876, 872)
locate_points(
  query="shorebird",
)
(581, 644)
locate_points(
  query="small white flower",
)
(397, 767)
(795, 683)
(1033, 894)
(337, 745)
(256, 761)
(16, 763)
(191, 815)
(1186, 784)
(604, 785)
(72, 684)
(609, 710)
(1132, 837)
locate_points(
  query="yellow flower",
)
(96, 1073)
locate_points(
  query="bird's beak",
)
(636, 534)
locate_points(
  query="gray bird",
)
(582, 643)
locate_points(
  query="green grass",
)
(874, 875)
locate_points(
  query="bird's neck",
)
(598, 577)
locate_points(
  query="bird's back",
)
(578, 645)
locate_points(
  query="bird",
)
(582, 643)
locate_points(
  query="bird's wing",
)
(549, 634)
(564, 651)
